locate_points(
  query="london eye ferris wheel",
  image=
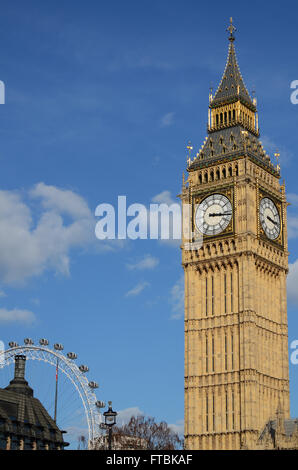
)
(61, 385)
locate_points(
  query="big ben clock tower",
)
(236, 338)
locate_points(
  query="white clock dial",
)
(213, 214)
(269, 218)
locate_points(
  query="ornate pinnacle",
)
(231, 30)
(277, 155)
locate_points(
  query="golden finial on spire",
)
(231, 30)
(189, 148)
(210, 93)
(277, 155)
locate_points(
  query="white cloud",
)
(2, 293)
(29, 245)
(164, 197)
(147, 262)
(137, 289)
(272, 148)
(24, 317)
(178, 427)
(125, 415)
(292, 227)
(167, 120)
(177, 299)
(293, 198)
(61, 200)
(292, 219)
(292, 282)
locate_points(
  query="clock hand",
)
(271, 220)
(220, 214)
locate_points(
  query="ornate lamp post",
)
(110, 420)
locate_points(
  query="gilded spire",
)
(232, 87)
(231, 30)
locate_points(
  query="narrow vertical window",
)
(207, 414)
(206, 296)
(227, 411)
(213, 355)
(213, 412)
(233, 411)
(232, 308)
(232, 350)
(206, 354)
(225, 292)
(212, 294)
(226, 352)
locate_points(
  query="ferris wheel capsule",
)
(43, 342)
(72, 355)
(13, 344)
(58, 346)
(100, 404)
(28, 341)
(84, 368)
(93, 385)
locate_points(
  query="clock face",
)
(269, 218)
(213, 214)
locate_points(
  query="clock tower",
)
(236, 338)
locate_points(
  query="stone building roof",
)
(229, 143)
(290, 427)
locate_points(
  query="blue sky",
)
(101, 99)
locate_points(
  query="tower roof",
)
(233, 128)
(232, 87)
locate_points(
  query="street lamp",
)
(110, 420)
